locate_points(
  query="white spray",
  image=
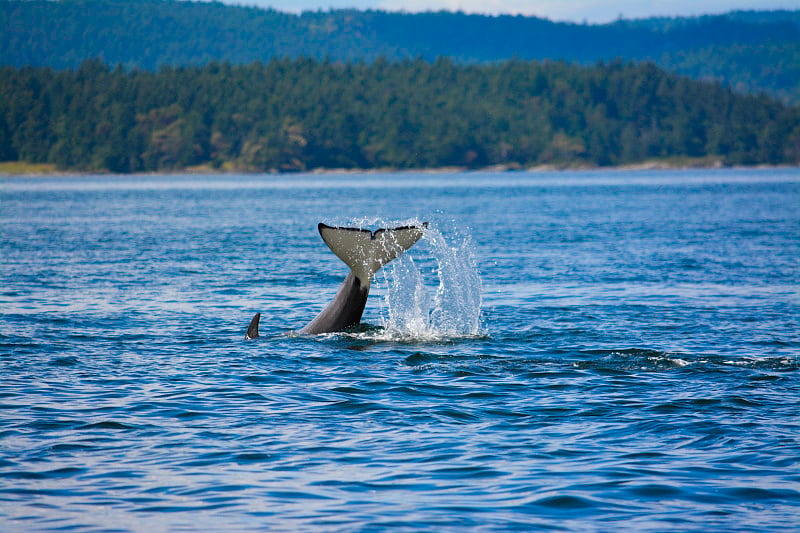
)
(438, 301)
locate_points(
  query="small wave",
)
(647, 359)
(765, 363)
(565, 502)
(65, 361)
(107, 424)
(253, 457)
(655, 491)
(761, 494)
(421, 359)
(57, 473)
(632, 360)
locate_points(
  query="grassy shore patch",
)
(21, 167)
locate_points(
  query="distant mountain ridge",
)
(751, 51)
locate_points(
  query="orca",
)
(365, 252)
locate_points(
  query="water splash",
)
(436, 296)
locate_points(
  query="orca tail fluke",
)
(252, 329)
(365, 251)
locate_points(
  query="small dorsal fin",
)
(252, 329)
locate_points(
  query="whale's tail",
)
(365, 251)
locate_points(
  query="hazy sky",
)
(572, 10)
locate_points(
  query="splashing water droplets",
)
(435, 297)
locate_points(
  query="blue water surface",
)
(635, 368)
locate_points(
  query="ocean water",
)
(578, 351)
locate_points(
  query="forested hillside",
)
(751, 51)
(302, 114)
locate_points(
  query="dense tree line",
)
(302, 114)
(750, 51)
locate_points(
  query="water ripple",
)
(634, 367)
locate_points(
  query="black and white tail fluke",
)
(365, 251)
